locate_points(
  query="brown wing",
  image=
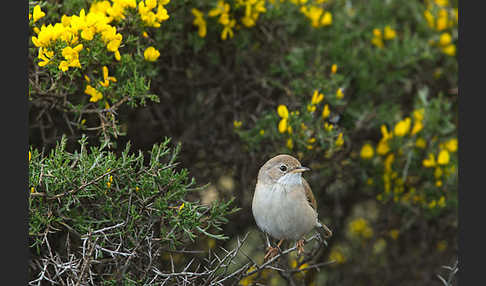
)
(309, 195)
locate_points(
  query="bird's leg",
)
(300, 246)
(271, 251)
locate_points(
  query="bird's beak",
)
(300, 169)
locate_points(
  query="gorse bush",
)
(114, 203)
(363, 93)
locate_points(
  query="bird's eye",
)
(283, 168)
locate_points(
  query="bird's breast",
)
(282, 213)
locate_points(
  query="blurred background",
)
(362, 92)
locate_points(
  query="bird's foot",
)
(271, 252)
(300, 247)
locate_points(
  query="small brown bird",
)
(283, 203)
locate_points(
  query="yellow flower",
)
(334, 68)
(451, 145)
(394, 233)
(32, 190)
(385, 135)
(228, 30)
(445, 39)
(221, 8)
(441, 203)
(326, 19)
(430, 161)
(311, 108)
(442, 3)
(328, 127)
(377, 32)
(438, 172)
(326, 112)
(30, 156)
(237, 124)
(382, 147)
(106, 78)
(429, 18)
(377, 42)
(282, 111)
(443, 158)
(420, 143)
(360, 227)
(95, 94)
(442, 20)
(432, 204)
(45, 56)
(438, 183)
(37, 13)
(283, 125)
(151, 54)
(117, 55)
(337, 256)
(199, 22)
(449, 50)
(340, 140)
(339, 93)
(417, 126)
(317, 97)
(367, 151)
(290, 143)
(402, 127)
(389, 33)
(181, 207)
(262, 132)
(418, 114)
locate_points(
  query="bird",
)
(283, 205)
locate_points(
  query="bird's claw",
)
(300, 247)
(271, 252)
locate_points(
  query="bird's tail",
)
(323, 230)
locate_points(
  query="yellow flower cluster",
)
(253, 9)
(69, 30)
(95, 94)
(222, 10)
(309, 136)
(440, 161)
(199, 22)
(317, 15)
(149, 18)
(443, 159)
(283, 125)
(86, 26)
(378, 36)
(360, 228)
(441, 17)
